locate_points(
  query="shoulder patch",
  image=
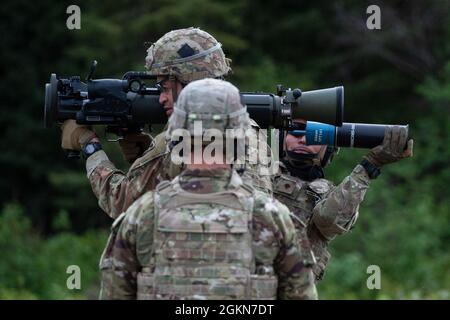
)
(285, 184)
(321, 186)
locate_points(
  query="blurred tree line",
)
(49, 218)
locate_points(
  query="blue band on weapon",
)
(320, 133)
(317, 133)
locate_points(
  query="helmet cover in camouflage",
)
(187, 54)
(216, 103)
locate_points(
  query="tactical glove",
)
(393, 147)
(74, 136)
(133, 145)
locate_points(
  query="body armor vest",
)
(301, 197)
(202, 247)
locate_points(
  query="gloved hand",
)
(133, 145)
(393, 147)
(74, 136)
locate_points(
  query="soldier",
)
(177, 58)
(206, 234)
(327, 210)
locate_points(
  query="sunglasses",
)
(297, 129)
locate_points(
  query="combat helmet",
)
(187, 55)
(216, 103)
(211, 108)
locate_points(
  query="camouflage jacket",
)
(326, 210)
(129, 248)
(116, 191)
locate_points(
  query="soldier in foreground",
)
(177, 58)
(324, 209)
(206, 234)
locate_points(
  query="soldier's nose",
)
(302, 140)
(162, 98)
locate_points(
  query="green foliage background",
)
(49, 218)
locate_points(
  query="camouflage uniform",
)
(206, 234)
(186, 55)
(116, 191)
(204, 254)
(326, 210)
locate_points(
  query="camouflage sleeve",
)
(120, 262)
(258, 160)
(115, 190)
(295, 278)
(107, 182)
(338, 211)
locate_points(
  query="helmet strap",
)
(174, 82)
(328, 156)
